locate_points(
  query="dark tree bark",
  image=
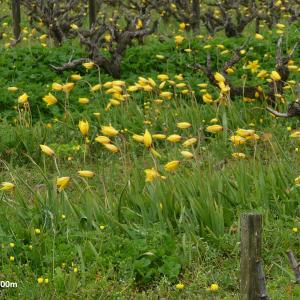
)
(16, 14)
(121, 38)
(92, 12)
(195, 19)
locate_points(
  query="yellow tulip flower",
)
(84, 127)
(183, 125)
(112, 148)
(109, 130)
(174, 138)
(138, 138)
(147, 138)
(68, 87)
(172, 165)
(275, 76)
(12, 89)
(76, 77)
(96, 88)
(23, 98)
(214, 128)
(189, 142)
(7, 186)
(187, 154)
(50, 99)
(62, 182)
(88, 65)
(151, 174)
(238, 155)
(86, 173)
(83, 100)
(47, 150)
(219, 77)
(102, 139)
(159, 136)
(56, 86)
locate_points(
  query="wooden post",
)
(92, 12)
(16, 15)
(262, 285)
(251, 242)
(294, 265)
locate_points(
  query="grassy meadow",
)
(133, 188)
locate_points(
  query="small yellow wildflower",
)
(40, 280)
(214, 287)
(179, 286)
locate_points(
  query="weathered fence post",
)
(262, 285)
(92, 12)
(16, 15)
(251, 242)
(295, 265)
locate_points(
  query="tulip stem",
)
(56, 165)
(84, 152)
(44, 163)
